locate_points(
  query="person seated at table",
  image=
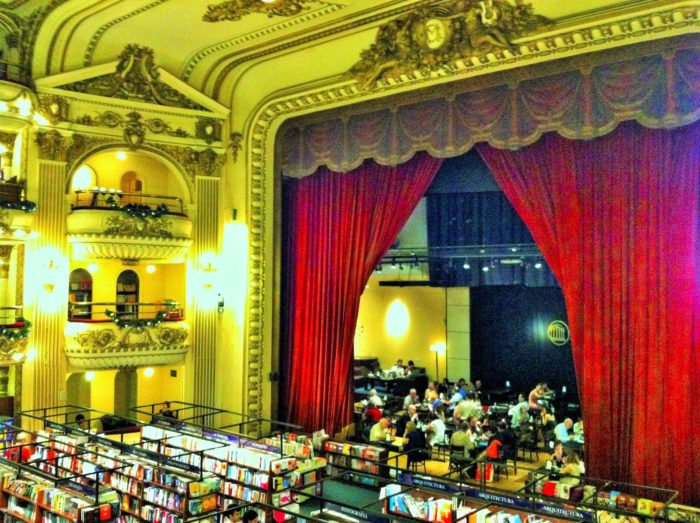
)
(444, 387)
(478, 390)
(578, 429)
(519, 414)
(505, 435)
(415, 442)
(410, 368)
(571, 468)
(431, 393)
(411, 414)
(534, 397)
(547, 420)
(436, 430)
(438, 408)
(411, 399)
(466, 408)
(459, 395)
(561, 431)
(558, 460)
(373, 414)
(381, 429)
(374, 399)
(398, 369)
(462, 437)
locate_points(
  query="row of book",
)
(438, 510)
(248, 476)
(244, 493)
(126, 484)
(23, 487)
(158, 515)
(201, 505)
(204, 487)
(353, 463)
(360, 451)
(22, 509)
(166, 478)
(171, 500)
(62, 501)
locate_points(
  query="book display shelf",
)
(44, 491)
(365, 459)
(603, 501)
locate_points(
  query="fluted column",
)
(205, 251)
(47, 266)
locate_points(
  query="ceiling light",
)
(538, 265)
(466, 265)
(485, 268)
(121, 155)
(150, 269)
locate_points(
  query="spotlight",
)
(466, 265)
(538, 265)
(150, 269)
(513, 249)
(121, 155)
(485, 268)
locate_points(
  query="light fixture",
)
(438, 348)
(466, 266)
(563, 389)
(538, 265)
(148, 372)
(507, 384)
(93, 268)
(121, 155)
(90, 375)
(485, 268)
(150, 268)
(514, 249)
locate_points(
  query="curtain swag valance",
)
(659, 91)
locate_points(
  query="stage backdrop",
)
(509, 338)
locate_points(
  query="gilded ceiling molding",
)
(53, 107)
(251, 37)
(92, 45)
(433, 37)
(232, 10)
(581, 41)
(53, 145)
(136, 79)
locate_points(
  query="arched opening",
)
(79, 295)
(127, 295)
(78, 390)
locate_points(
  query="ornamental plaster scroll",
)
(233, 10)
(633, 29)
(112, 347)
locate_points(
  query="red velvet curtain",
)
(617, 220)
(340, 226)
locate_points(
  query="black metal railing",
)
(114, 199)
(103, 312)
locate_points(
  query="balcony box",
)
(109, 233)
(103, 345)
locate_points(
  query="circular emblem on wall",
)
(558, 333)
(437, 32)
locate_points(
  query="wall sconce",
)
(220, 303)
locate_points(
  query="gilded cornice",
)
(233, 10)
(265, 123)
(92, 45)
(302, 18)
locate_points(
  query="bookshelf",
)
(127, 295)
(365, 459)
(80, 291)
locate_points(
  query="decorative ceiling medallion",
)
(137, 79)
(435, 37)
(231, 10)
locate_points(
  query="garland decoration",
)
(22, 205)
(138, 210)
(136, 324)
(17, 333)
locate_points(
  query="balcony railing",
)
(105, 312)
(113, 199)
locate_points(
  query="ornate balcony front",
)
(17, 101)
(14, 330)
(114, 225)
(116, 335)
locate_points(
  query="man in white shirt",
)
(436, 429)
(519, 414)
(411, 399)
(374, 399)
(561, 431)
(398, 370)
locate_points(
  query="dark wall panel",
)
(509, 338)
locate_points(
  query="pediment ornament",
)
(435, 37)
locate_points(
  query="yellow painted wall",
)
(102, 390)
(426, 326)
(161, 386)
